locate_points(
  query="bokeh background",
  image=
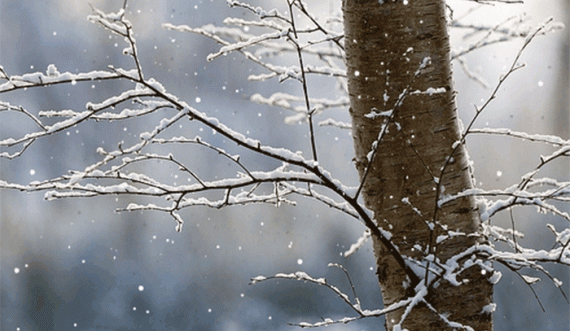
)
(78, 265)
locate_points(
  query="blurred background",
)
(78, 265)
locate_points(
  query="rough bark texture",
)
(385, 43)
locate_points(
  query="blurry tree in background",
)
(435, 240)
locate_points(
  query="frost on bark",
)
(386, 44)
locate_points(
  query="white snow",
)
(52, 70)
(359, 243)
(52, 76)
(489, 309)
(374, 114)
(248, 43)
(430, 91)
(496, 277)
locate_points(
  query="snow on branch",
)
(77, 118)
(114, 22)
(518, 260)
(146, 107)
(452, 268)
(283, 37)
(212, 32)
(260, 12)
(343, 206)
(285, 100)
(526, 258)
(517, 197)
(242, 40)
(520, 257)
(352, 304)
(248, 43)
(262, 23)
(6, 106)
(358, 244)
(53, 77)
(548, 139)
(505, 31)
(335, 123)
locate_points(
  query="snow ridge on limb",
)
(53, 77)
(353, 304)
(408, 303)
(210, 31)
(285, 101)
(75, 118)
(358, 244)
(547, 139)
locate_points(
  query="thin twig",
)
(310, 111)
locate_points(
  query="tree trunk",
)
(386, 42)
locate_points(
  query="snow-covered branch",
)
(52, 77)
(547, 139)
(352, 304)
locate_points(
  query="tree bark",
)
(418, 159)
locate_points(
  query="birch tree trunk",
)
(386, 42)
